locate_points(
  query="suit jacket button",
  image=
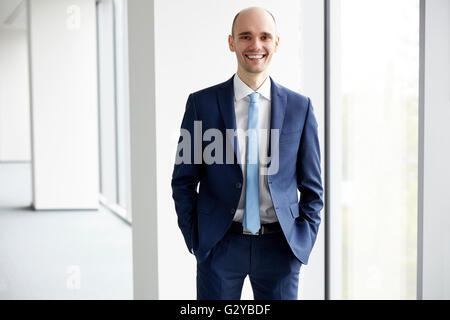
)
(238, 185)
(233, 211)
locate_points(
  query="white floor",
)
(59, 254)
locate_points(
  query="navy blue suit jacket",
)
(206, 195)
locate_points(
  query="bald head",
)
(252, 12)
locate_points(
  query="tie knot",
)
(254, 97)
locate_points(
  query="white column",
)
(63, 86)
(312, 71)
(141, 70)
(434, 142)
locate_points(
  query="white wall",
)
(14, 96)
(434, 173)
(192, 53)
(63, 67)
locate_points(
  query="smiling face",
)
(254, 40)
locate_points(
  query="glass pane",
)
(123, 119)
(379, 52)
(107, 101)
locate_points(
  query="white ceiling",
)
(7, 10)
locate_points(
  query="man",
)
(245, 220)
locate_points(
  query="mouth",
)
(255, 57)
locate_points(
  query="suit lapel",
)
(277, 110)
(226, 106)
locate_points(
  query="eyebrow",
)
(245, 33)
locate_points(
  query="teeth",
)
(255, 57)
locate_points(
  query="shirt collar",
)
(241, 90)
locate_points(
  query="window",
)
(374, 109)
(113, 107)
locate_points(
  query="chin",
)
(255, 70)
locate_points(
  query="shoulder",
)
(210, 89)
(292, 96)
(209, 92)
(206, 100)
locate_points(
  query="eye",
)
(245, 37)
(264, 38)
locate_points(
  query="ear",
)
(231, 43)
(277, 42)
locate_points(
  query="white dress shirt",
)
(241, 105)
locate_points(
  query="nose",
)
(255, 44)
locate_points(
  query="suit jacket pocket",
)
(295, 212)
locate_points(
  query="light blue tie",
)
(251, 215)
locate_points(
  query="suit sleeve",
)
(185, 178)
(309, 181)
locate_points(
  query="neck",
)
(253, 80)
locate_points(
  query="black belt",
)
(236, 227)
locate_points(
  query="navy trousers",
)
(267, 259)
